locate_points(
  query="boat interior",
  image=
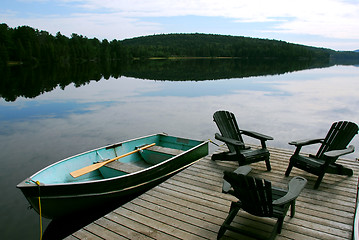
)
(165, 148)
(148, 157)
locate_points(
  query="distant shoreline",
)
(155, 58)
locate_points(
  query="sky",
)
(330, 24)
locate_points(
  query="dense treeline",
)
(211, 45)
(27, 45)
(345, 57)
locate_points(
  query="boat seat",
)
(170, 151)
(131, 168)
(124, 167)
(157, 154)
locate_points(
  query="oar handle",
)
(95, 166)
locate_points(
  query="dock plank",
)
(105, 229)
(191, 205)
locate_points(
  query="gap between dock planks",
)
(190, 205)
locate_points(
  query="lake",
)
(47, 115)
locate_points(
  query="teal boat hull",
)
(61, 194)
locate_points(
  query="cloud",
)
(102, 26)
(329, 19)
(254, 10)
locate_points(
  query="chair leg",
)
(221, 231)
(268, 164)
(319, 180)
(292, 208)
(235, 207)
(280, 224)
(290, 166)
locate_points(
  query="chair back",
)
(227, 125)
(254, 194)
(338, 137)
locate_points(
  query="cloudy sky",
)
(322, 23)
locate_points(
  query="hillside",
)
(210, 45)
(25, 45)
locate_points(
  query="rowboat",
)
(135, 166)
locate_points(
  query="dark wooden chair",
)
(332, 147)
(231, 135)
(258, 197)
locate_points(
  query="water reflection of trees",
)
(29, 82)
(212, 69)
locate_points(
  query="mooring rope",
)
(38, 185)
(214, 143)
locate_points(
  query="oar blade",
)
(85, 170)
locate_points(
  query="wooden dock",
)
(190, 205)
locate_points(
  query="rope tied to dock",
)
(210, 140)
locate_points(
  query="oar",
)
(95, 166)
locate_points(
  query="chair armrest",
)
(306, 142)
(338, 153)
(295, 187)
(244, 170)
(228, 140)
(256, 135)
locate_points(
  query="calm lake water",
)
(66, 120)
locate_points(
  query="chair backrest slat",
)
(338, 137)
(227, 125)
(254, 194)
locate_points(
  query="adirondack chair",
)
(332, 147)
(258, 197)
(231, 135)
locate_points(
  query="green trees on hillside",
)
(211, 45)
(27, 45)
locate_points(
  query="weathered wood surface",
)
(190, 205)
(124, 167)
(170, 151)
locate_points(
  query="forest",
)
(33, 62)
(31, 46)
(211, 45)
(26, 45)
